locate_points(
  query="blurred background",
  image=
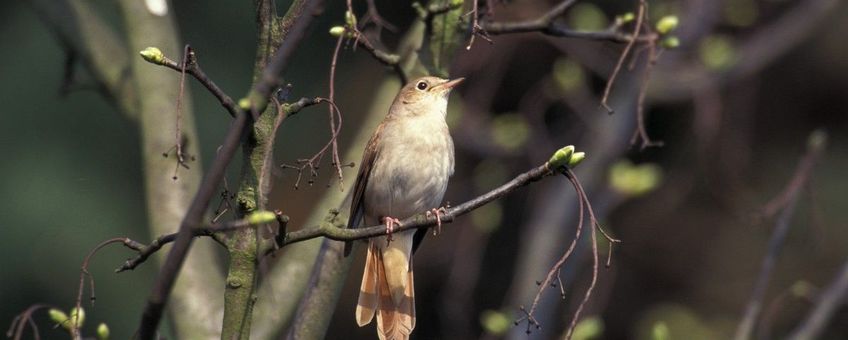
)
(734, 105)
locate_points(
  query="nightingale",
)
(404, 171)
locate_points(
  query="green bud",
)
(667, 24)
(337, 31)
(244, 104)
(576, 158)
(456, 3)
(77, 316)
(262, 216)
(153, 55)
(350, 19)
(57, 316)
(625, 18)
(561, 157)
(102, 331)
(670, 42)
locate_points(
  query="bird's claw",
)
(438, 212)
(390, 226)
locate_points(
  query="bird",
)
(404, 171)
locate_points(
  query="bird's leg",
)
(390, 226)
(438, 212)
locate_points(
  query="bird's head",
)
(425, 95)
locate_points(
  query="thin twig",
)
(333, 111)
(262, 90)
(639, 17)
(556, 269)
(828, 303)
(545, 24)
(421, 220)
(595, 225)
(194, 69)
(145, 251)
(312, 163)
(83, 273)
(188, 56)
(781, 229)
(16, 329)
(373, 16)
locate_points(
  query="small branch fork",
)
(258, 100)
(191, 66)
(340, 233)
(546, 24)
(785, 203)
(554, 272)
(19, 323)
(332, 144)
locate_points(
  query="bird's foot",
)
(390, 226)
(438, 212)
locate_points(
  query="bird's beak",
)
(450, 84)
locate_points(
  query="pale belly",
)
(415, 180)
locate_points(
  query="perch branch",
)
(420, 220)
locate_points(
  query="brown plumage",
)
(404, 171)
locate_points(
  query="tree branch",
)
(815, 147)
(258, 101)
(193, 68)
(339, 233)
(99, 47)
(828, 302)
(167, 200)
(546, 24)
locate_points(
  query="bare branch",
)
(193, 68)
(19, 323)
(816, 145)
(639, 18)
(145, 251)
(259, 95)
(546, 24)
(421, 220)
(828, 303)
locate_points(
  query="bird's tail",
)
(391, 299)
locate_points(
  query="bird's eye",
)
(421, 85)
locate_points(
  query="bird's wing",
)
(357, 207)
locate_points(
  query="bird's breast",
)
(410, 174)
